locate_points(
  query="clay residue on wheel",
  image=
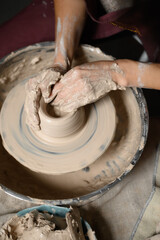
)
(110, 166)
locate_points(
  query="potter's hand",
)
(85, 84)
(36, 87)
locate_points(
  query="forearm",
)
(69, 22)
(137, 74)
(151, 76)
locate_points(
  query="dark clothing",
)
(143, 19)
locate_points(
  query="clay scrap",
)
(37, 225)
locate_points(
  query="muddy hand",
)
(84, 84)
(36, 87)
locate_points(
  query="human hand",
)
(85, 84)
(36, 87)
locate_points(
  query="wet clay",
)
(34, 88)
(110, 166)
(63, 144)
(44, 226)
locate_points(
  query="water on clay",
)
(110, 166)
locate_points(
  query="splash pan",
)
(94, 179)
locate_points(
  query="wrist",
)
(61, 64)
(118, 73)
(129, 78)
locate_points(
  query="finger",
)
(32, 83)
(65, 103)
(34, 124)
(68, 74)
(59, 99)
(31, 109)
(69, 107)
(97, 65)
(77, 74)
(88, 66)
(32, 118)
(49, 79)
(55, 90)
(46, 88)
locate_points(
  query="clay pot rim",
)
(45, 114)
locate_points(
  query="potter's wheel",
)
(85, 184)
(71, 143)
